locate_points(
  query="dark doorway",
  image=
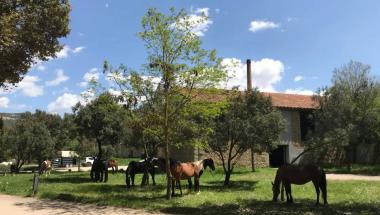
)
(277, 157)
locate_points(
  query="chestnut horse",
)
(292, 174)
(45, 167)
(113, 164)
(182, 171)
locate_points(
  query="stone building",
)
(295, 110)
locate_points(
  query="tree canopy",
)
(348, 114)
(29, 32)
(249, 121)
(102, 119)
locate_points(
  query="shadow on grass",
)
(235, 185)
(74, 179)
(269, 207)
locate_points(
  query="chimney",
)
(249, 75)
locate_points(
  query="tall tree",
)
(176, 59)
(101, 119)
(249, 121)
(29, 139)
(29, 32)
(348, 114)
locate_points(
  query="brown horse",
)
(45, 167)
(113, 164)
(291, 174)
(182, 171)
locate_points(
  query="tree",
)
(29, 139)
(29, 32)
(248, 121)
(176, 58)
(347, 114)
(101, 119)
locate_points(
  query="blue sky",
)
(294, 45)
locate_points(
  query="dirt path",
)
(352, 177)
(16, 205)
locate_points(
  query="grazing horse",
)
(99, 170)
(292, 174)
(182, 171)
(200, 166)
(45, 167)
(113, 164)
(135, 167)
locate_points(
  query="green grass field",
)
(249, 193)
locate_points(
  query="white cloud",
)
(259, 25)
(61, 77)
(114, 92)
(63, 103)
(298, 78)
(66, 51)
(29, 86)
(265, 73)
(78, 49)
(199, 21)
(106, 5)
(299, 91)
(217, 10)
(92, 75)
(4, 102)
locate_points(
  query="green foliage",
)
(248, 122)
(29, 31)
(29, 139)
(178, 64)
(102, 119)
(348, 114)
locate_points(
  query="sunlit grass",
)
(249, 193)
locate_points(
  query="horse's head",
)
(157, 162)
(209, 163)
(276, 191)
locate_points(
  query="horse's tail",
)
(127, 174)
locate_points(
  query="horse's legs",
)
(190, 184)
(173, 185)
(316, 186)
(324, 193)
(179, 185)
(152, 174)
(133, 178)
(196, 184)
(288, 191)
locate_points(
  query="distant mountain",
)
(9, 118)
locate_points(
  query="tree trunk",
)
(99, 149)
(166, 133)
(253, 160)
(227, 177)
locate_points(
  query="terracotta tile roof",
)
(280, 100)
(283, 100)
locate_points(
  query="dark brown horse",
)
(291, 174)
(182, 171)
(113, 164)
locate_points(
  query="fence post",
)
(35, 184)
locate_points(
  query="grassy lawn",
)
(249, 193)
(356, 169)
